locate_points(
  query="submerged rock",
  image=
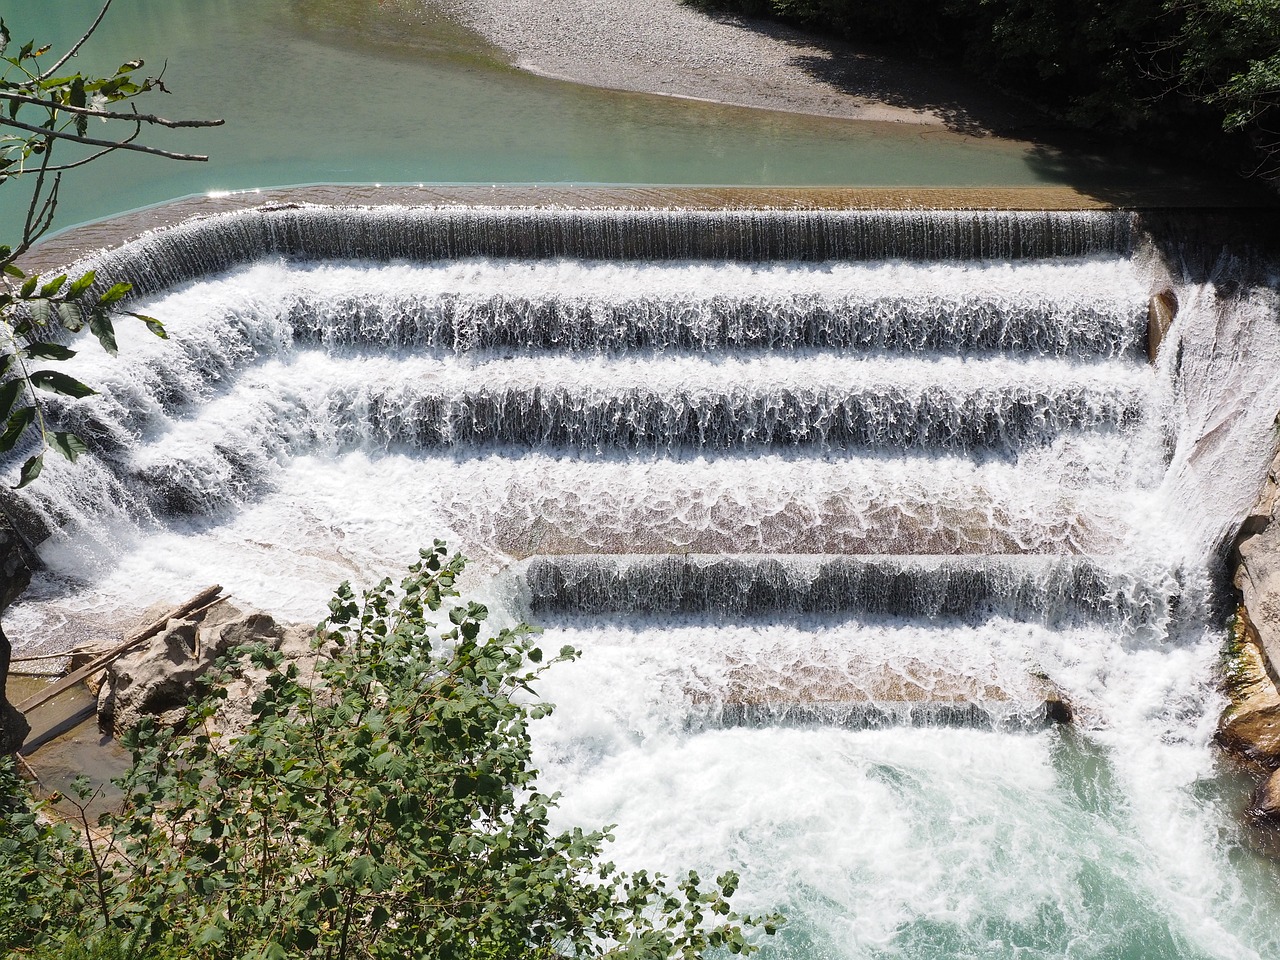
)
(1265, 806)
(1161, 311)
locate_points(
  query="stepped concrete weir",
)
(840, 506)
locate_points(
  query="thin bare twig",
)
(109, 114)
(94, 142)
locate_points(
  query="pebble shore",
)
(668, 47)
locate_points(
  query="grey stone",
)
(160, 677)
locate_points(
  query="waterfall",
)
(845, 510)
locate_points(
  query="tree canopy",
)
(1204, 75)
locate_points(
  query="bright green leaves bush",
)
(383, 805)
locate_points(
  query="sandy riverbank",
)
(667, 47)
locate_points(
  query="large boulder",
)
(159, 678)
(1250, 726)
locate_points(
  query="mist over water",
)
(834, 535)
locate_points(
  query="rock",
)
(15, 572)
(1258, 579)
(160, 677)
(1250, 726)
(13, 728)
(1265, 805)
(1161, 310)
(1263, 512)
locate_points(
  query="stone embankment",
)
(1250, 726)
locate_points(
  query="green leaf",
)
(71, 315)
(30, 470)
(68, 444)
(13, 270)
(9, 394)
(210, 934)
(57, 382)
(80, 285)
(115, 293)
(47, 351)
(19, 420)
(29, 287)
(154, 325)
(102, 328)
(53, 286)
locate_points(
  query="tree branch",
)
(94, 142)
(75, 47)
(33, 219)
(109, 114)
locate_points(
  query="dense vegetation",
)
(1200, 74)
(384, 806)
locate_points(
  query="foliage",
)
(1175, 68)
(1230, 57)
(44, 111)
(383, 806)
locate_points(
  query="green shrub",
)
(384, 807)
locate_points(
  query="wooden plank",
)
(45, 733)
(202, 601)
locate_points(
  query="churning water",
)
(838, 507)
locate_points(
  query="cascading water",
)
(838, 507)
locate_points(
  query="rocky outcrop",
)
(1258, 567)
(1250, 726)
(161, 676)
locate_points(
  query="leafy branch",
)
(33, 311)
(382, 804)
(43, 110)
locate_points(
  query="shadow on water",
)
(1105, 168)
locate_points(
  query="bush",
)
(383, 807)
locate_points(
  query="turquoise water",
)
(320, 91)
